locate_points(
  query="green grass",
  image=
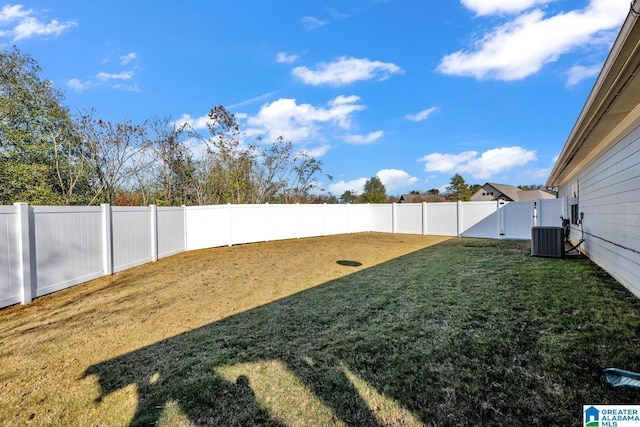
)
(468, 332)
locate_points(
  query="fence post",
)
(25, 262)
(424, 218)
(107, 240)
(154, 232)
(184, 225)
(267, 224)
(459, 216)
(501, 224)
(297, 220)
(394, 218)
(324, 219)
(229, 209)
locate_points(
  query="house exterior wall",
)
(485, 194)
(607, 192)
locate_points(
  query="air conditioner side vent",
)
(547, 242)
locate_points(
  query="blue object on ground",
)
(621, 378)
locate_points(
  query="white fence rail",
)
(44, 249)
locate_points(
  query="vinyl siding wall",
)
(608, 193)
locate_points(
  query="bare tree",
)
(117, 151)
(174, 168)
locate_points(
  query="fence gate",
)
(506, 220)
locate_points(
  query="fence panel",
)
(409, 218)
(249, 224)
(281, 222)
(338, 219)
(549, 212)
(381, 218)
(171, 230)
(311, 220)
(517, 220)
(480, 219)
(208, 226)
(131, 233)
(68, 246)
(442, 219)
(359, 218)
(10, 286)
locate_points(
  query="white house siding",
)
(608, 193)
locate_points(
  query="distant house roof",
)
(524, 196)
(419, 198)
(509, 192)
(493, 191)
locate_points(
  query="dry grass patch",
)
(48, 346)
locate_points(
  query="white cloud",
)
(197, 147)
(364, 139)
(311, 23)
(198, 123)
(128, 58)
(22, 23)
(578, 73)
(32, 27)
(422, 115)
(492, 7)
(394, 179)
(438, 162)
(335, 14)
(345, 70)
(301, 122)
(317, 151)
(124, 75)
(79, 85)
(356, 186)
(121, 80)
(10, 13)
(488, 164)
(285, 58)
(520, 47)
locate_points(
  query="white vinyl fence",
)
(44, 249)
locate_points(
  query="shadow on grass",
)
(432, 337)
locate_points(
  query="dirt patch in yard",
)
(48, 345)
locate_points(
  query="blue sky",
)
(409, 91)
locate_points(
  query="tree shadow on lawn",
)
(431, 337)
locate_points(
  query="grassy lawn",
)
(426, 331)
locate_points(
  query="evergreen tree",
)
(458, 189)
(374, 191)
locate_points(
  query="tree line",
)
(49, 156)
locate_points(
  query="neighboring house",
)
(598, 170)
(508, 193)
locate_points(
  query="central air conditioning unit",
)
(547, 242)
